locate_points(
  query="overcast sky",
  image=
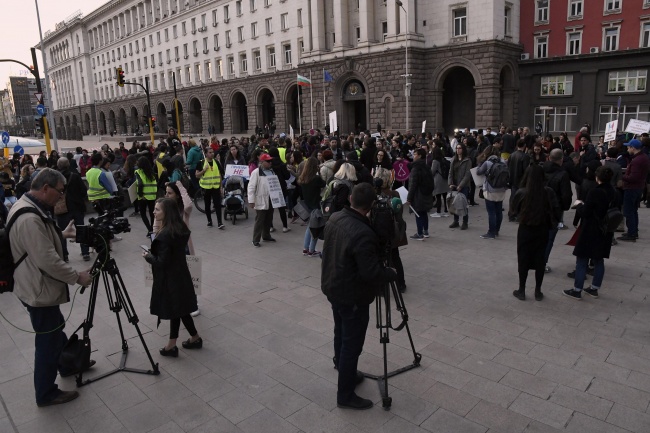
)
(19, 29)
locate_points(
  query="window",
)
(160, 58)
(243, 63)
(208, 70)
(183, 28)
(145, 63)
(267, 3)
(188, 74)
(575, 8)
(228, 38)
(231, 66)
(168, 54)
(240, 34)
(175, 31)
(610, 42)
(205, 45)
(574, 43)
(541, 47)
(271, 53)
(286, 49)
(176, 56)
(460, 22)
(557, 85)
(238, 8)
(253, 5)
(284, 21)
(218, 67)
(357, 32)
(216, 42)
(166, 35)
(384, 31)
(269, 26)
(195, 47)
(645, 35)
(507, 21)
(185, 51)
(299, 17)
(197, 72)
(158, 37)
(254, 30)
(257, 60)
(541, 10)
(193, 21)
(608, 113)
(560, 118)
(226, 14)
(612, 5)
(214, 18)
(627, 81)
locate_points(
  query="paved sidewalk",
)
(489, 362)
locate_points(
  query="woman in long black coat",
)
(172, 295)
(593, 242)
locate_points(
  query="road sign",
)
(39, 97)
(40, 109)
(19, 149)
(5, 137)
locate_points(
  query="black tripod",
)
(118, 300)
(385, 324)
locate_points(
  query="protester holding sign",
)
(264, 193)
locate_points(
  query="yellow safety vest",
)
(95, 189)
(159, 165)
(149, 186)
(211, 179)
(283, 154)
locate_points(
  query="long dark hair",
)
(145, 165)
(179, 197)
(535, 204)
(172, 221)
(309, 171)
(463, 153)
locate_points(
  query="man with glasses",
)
(41, 279)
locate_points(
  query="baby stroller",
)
(233, 200)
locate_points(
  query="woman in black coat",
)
(533, 202)
(282, 172)
(172, 294)
(420, 195)
(593, 242)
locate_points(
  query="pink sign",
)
(401, 170)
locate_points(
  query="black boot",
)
(519, 294)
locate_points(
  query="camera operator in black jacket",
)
(352, 274)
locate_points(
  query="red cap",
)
(265, 157)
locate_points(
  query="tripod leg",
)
(401, 307)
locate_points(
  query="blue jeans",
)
(465, 192)
(310, 241)
(48, 350)
(631, 210)
(549, 245)
(350, 325)
(422, 222)
(581, 272)
(63, 221)
(495, 216)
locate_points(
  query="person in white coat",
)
(259, 199)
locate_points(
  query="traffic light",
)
(120, 76)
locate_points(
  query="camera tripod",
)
(118, 300)
(384, 324)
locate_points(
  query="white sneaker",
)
(435, 215)
(286, 229)
(445, 214)
(195, 313)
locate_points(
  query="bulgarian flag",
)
(303, 81)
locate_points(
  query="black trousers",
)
(175, 326)
(146, 208)
(209, 196)
(263, 223)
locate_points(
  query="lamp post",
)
(407, 85)
(48, 92)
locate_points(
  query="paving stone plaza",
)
(489, 361)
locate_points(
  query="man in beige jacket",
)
(42, 278)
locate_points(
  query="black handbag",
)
(75, 356)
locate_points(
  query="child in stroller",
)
(233, 201)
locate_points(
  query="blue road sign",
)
(5, 137)
(40, 109)
(19, 149)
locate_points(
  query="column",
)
(392, 15)
(367, 22)
(341, 25)
(317, 25)
(409, 5)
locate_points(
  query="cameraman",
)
(42, 278)
(351, 277)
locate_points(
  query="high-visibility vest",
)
(159, 165)
(149, 186)
(95, 189)
(283, 154)
(211, 179)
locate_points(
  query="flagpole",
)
(311, 100)
(299, 114)
(324, 100)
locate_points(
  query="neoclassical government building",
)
(236, 62)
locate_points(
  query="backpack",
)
(445, 166)
(7, 265)
(327, 205)
(612, 219)
(498, 176)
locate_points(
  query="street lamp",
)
(48, 92)
(407, 85)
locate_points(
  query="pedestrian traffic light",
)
(120, 76)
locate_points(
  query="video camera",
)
(103, 228)
(385, 217)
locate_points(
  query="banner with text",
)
(610, 130)
(638, 127)
(237, 170)
(275, 191)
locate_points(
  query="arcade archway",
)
(354, 107)
(196, 122)
(215, 114)
(239, 112)
(458, 100)
(265, 108)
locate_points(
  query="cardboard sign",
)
(638, 127)
(333, 122)
(291, 134)
(424, 126)
(195, 265)
(275, 191)
(403, 194)
(402, 171)
(237, 170)
(133, 192)
(610, 130)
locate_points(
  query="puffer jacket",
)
(42, 279)
(351, 269)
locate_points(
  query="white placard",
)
(195, 265)
(610, 130)
(637, 126)
(237, 170)
(424, 126)
(478, 179)
(291, 134)
(403, 193)
(376, 135)
(333, 122)
(133, 192)
(275, 191)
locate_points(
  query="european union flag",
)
(327, 76)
